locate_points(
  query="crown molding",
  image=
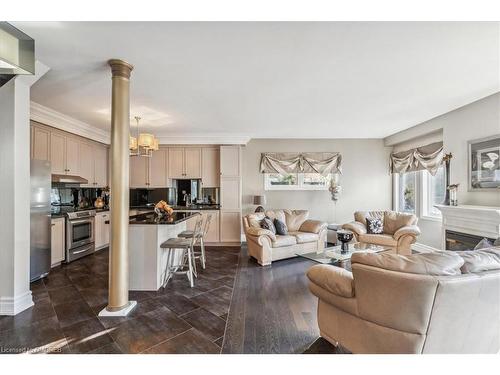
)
(48, 116)
(204, 139)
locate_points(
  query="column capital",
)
(120, 68)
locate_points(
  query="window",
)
(433, 193)
(296, 181)
(418, 193)
(407, 192)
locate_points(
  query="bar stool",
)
(187, 257)
(189, 234)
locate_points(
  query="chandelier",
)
(143, 144)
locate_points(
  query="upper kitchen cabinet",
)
(139, 171)
(184, 162)
(100, 166)
(86, 162)
(210, 167)
(230, 161)
(72, 156)
(58, 153)
(158, 169)
(40, 143)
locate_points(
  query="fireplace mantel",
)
(477, 220)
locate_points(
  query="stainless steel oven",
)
(79, 234)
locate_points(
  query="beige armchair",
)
(303, 235)
(422, 303)
(400, 229)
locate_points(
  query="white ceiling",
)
(287, 80)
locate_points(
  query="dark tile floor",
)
(177, 319)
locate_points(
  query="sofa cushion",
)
(255, 219)
(304, 237)
(276, 214)
(268, 224)
(362, 215)
(394, 220)
(281, 227)
(480, 260)
(295, 218)
(378, 239)
(437, 263)
(335, 280)
(281, 241)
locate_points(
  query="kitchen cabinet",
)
(102, 229)
(57, 240)
(57, 153)
(64, 151)
(86, 163)
(230, 161)
(100, 166)
(230, 224)
(149, 172)
(184, 162)
(230, 193)
(210, 167)
(40, 143)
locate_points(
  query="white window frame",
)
(422, 189)
(299, 187)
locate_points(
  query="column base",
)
(122, 312)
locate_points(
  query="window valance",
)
(323, 163)
(429, 157)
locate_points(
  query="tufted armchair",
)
(400, 229)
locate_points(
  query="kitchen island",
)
(147, 259)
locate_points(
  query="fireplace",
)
(457, 241)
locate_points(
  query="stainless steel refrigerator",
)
(40, 219)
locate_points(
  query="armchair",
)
(400, 229)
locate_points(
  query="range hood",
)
(67, 179)
(17, 53)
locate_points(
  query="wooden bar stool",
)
(201, 237)
(187, 264)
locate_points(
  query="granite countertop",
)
(193, 207)
(153, 219)
(62, 212)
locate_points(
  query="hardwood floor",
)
(272, 310)
(177, 319)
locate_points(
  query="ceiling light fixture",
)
(143, 144)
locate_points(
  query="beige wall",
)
(365, 181)
(476, 120)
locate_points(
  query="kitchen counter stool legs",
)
(186, 265)
(201, 237)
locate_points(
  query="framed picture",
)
(484, 163)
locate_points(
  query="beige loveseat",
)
(303, 235)
(400, 229)
(422, 303)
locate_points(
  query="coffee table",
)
(333, 255)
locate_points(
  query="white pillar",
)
(15, 294)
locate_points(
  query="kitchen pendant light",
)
(143, 144)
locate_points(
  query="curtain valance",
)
(428, 158)
(307, 162)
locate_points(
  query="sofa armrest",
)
(411, 230)
(313, 226)
(356, 227)
(335, 280)
(257, 232)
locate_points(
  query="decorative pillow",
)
(480, 260)
(267, 223)
(281, 228)
(374, 226)
(483, 244)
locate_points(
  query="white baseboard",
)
(14, 305)
(423, 248)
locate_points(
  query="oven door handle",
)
(81, 221)
(80, 251)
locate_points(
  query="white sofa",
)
(304, 235)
